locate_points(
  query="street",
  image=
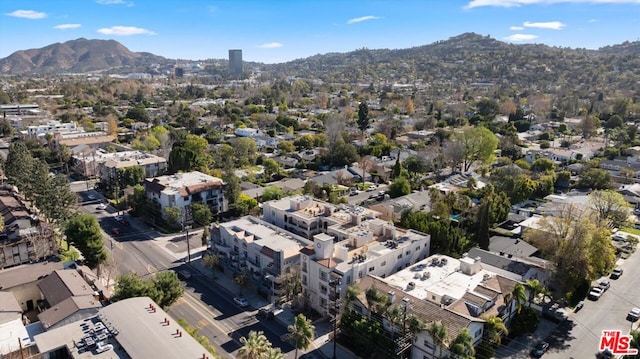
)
(585, 327)
(205, 304)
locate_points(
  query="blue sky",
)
(272, 31)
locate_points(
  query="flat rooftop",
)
(136, 328)
(442, 279)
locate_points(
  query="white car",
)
(118, 218)
(241, 301)
(91, 197)
(596, 293)
(619, 238)
(634, 314)
(102, 206)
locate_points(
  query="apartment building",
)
(349, 243)
(105, 164)
(182, 189)
(25, 238)
(264, 250)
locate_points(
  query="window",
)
(323, 289)
(433, 297)
(304, 280)
(478, 332)
(323, 275)
(417, 248)
(348, 279)
(383, 264)
(360, 274)
(408, 252)
(371, 269)
(400, 256)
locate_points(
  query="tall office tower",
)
(235, 62)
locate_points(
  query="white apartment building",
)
(460, 287)
(51, 127)
(263, 249)
(104, 164)
(248, 132)
(182, 189)
(349, 242)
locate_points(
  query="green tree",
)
(543, 165)
(201, 213)
(301, 333)
(211, 261)
(254, 346)
(399, 187)
(271, 167)
(519, 295)
(535, 288)
(167, 285)
(462, 346)
(84, 232)
(363, 116)
(243, 205)
(488, 108)
(495, 329)
(610, 207)
(138, 113)
(172, 215)
(232, 188)
(594, 178)
(286, 147)
(271, 193)
(479, 145)
(131, 285)
(131, 176)
(439, 335)
(17, 167)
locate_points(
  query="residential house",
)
(23, 281)
(182, 189)
(392, 209)
(105, 164)
(67, 297)
(25, 237)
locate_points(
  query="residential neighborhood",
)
(219, 210)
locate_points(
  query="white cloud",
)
(271, 45)
(516, 28)
(67, 26)
(125, 31)
(593, 20)
(356, 20)
(516, 3)
(28, 14)
(520, 37)
(115, 2)
(550, 25)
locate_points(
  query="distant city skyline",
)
(280, 31)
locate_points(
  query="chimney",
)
(391, 295)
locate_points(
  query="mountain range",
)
(465, 58)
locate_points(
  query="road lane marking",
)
(202, 310)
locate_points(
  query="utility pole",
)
(335, 283)
(186, 226)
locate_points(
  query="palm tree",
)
(255, 346)
(352, 293)
(462, 345)
(301, 333)
(439, 334)
(535, 288)
(375, 299)
(519, 294)
(274, 353)
(495, 329)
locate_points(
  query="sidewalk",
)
(322, 347)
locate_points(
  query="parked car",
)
(634, 314)
(115, 231)
(354, 191)
(266, 313)
(241, 301)
(596, 293)
(371, 188)
(539, 350)
(102, 206)
(118, 217)
(184, 274)
(616, 273)
(619, 238)
(579, 306)
(604, 284)
(91, 197)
